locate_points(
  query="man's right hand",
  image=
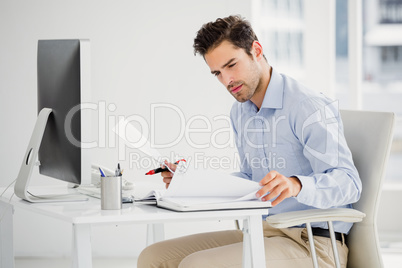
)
(167, 175)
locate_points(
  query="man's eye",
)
(231, 65)
(217, 73)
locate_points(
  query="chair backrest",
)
(369, 137)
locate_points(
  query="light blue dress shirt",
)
(297, 132)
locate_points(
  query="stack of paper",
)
(207, 190)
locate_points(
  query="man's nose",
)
(228, 80)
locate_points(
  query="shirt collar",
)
(273, 98)
(274, 95)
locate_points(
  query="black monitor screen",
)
(59, 88)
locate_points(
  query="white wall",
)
(141, 55)
(319, 49)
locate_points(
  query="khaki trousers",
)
(284, 248)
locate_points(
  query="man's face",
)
(239, 72)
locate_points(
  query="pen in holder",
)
(111, 192)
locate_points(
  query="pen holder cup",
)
(111, 193)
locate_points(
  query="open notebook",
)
(206, 190)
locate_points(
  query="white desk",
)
(82, 215)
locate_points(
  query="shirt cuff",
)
(305, 195)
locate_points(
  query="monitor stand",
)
(29, 161)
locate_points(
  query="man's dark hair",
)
(234, 29)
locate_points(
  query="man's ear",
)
(257, 50)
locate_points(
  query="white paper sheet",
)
(135, 139)
(210, 183)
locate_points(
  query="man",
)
(290, 140)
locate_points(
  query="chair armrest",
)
(288, 219)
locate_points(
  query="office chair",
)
(369, 137)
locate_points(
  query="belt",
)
(325, 233)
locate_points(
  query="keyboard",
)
(90, 190)
(94, 191)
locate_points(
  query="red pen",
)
(159, 170)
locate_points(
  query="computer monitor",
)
(63, 126)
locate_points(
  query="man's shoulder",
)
(297, 89)
(297, 93)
